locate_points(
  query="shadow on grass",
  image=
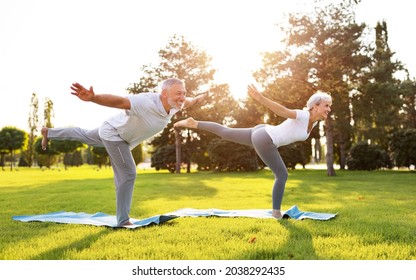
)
(98, 195)
(299, 243)
(62, 252)
(84, 195)
(298, 246)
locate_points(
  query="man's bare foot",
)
(128, 223)
(44, 132)
(189, 122)
(277, 214)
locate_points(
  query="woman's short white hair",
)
(317, 98)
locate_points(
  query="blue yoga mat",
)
(102, 219)
(292, 213)
(97, 219)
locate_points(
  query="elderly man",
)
(142, 116)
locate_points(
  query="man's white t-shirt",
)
(146, 118)
(291, 130)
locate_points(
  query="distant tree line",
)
(373, 119)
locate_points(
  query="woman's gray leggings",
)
(259, 139)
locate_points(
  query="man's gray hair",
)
(170, 82)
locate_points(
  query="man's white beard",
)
(174, 105)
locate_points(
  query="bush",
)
(403, 147)
(363, 156)
(164, 158)
(293, 154)
(229, 156)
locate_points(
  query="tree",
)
(100, 156)
(48, 157)
(295, 153)
(66, 147)
(164, 157)
(33, 122)
(377, 104)
(76, 158)
(229, 156)
(408, 109)
(48, 112)
(364, 156)
(12, 139)
(182, 60)
(137, 153)
(403, 147)
(45, 157)
(323, 52)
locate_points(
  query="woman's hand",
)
(254, 92)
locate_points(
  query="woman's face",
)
(323, 109)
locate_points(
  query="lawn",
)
(376, 218)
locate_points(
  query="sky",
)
(47, 45)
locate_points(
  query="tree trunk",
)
(178, 151)
(330, 147)
(342, 155)
(318, 150)
(188, 161)
(11, 160)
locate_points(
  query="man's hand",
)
(109, 100)
(195, 100)
(82, 93)
(199, 98)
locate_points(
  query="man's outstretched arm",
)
(190, 101)
(108, 100)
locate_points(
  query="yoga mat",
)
(97, 219)
(293, 213)
(102, 219)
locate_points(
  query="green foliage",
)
(11, 139)
(33, 123)
(100, 156)
(296, 153)
(76, 159)
(408, 110)
(377, 104)
(363, 156)
(376, 216)
(229, 156)
(181, 59)
(164, 157)
(48, 112)
(45, 158)
(66, 146)
(137, 153)
(23, 160)
(403, 147)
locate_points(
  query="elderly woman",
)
(265, 139)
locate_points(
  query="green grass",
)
(376, 216)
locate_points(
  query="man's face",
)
(175, 96)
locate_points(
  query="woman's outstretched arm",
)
(276, 108)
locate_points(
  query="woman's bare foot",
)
(44, 132)
(189, 123)
(128, 223)
(277, 214)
